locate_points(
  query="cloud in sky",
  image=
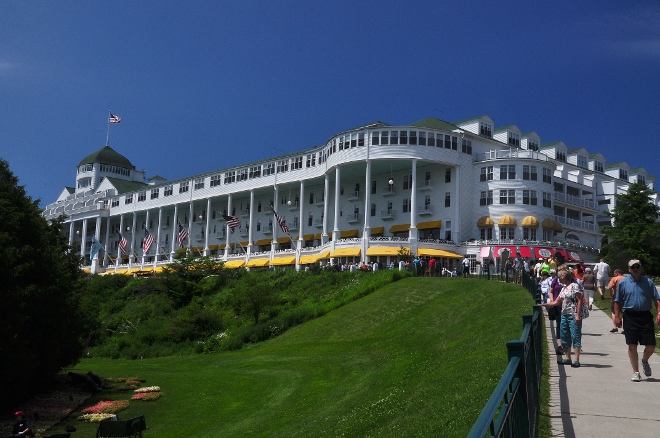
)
(6, 65)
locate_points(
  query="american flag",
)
(232, 222)
(282, 224)
(114, 119)
(123, 243)
(147, 242)
(181, 237)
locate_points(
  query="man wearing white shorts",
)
(602, 271)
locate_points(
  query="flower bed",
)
(148, 389)
(107, 407)
(146, 396)
(95, 418)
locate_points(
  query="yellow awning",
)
(399, 228)
(346, 252)
(280, 261)
(309, 237)
(318, 236)
(245, 243)
(558, 227)
(307, 259)
(348, 233)
(283, 239)
(548, 224)
(324, 255)
(506, 220)
(530, 221)
(438, 253)
(159, 269)
(87, 270)
(213, 247)
(485, 221)
(263, 242)
(377, 231)
(257, 263)
(429, 225)
(233, 264)
(384, 250)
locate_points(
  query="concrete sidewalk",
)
(598, 399)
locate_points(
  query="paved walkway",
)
(598, 399)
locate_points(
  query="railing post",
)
(520, 409)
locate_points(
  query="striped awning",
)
(233, 264)
(486, 221)
(257, 263)
(438, 253)
(530, 221)
(281, 261)
(429, 225)
(506, 220)
(399, 228)
(346, 252)
(261, 242)
(307, 259)
(308, 237)
(384, 250)
(348, 233)
(213, 247)
(377, 231)
(283, 239)
(324, 255)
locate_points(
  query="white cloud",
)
(6, 65)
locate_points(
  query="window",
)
(373, 187)
(403, 137)
(86, 168)
(529, 197)
(532, 146)
(230, 177)
(507, 233)
(84, 182)
(486, 233)
(486, 197)
(406, 205)
(560, 156)
(297, 163)
(547, 199)
(407, 182)
(514, 139)
(447, 199)
(431, 139)
(529, 173)
(548, 234)
(529, 233)
(507, 196)
(486, 174)
(582, 161)
(507, 172)
(547, 176)
(422, 138)
(448, 175)
(641, 179)
(154, 193)
(215, 180)
(128, 199)
(360, 138)
(466, 146)
(167, 190)
(142, 196)
(485, 130)
(373, 210)
(242, 175)
(412, 139)
(184, 187)
(394, 137)
(384, 137)
(115, 202)
(311, 160)
(269, 169)
(353, 140)
(447, 141)
(199, 183)
(598, 166)
(375, 138)
(255, 172)
(310, 219)
(623, 174)
(311, 197)
(283, 166)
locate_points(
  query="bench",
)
(121, 428)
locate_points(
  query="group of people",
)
(568, 292)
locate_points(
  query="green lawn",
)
(419, 357)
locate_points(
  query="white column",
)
(251, 223)
(160, 221)
(335, 228)
(273, 243)
(83, 239)
(146, 227)
(207, 251)
(301, 224)
(412, 234)
(97, 235)
(119, 259)
(227, 227)
(456, 226)
(367, 212)
(132, 248)
(191, 219)
(326, 196)
(106, 255)
(71, 231)
(175, 231)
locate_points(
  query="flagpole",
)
(107, 137)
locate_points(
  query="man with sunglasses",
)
(635, 296)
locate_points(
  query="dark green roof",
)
(470, 119)
(107, 155)
(615, 165)
(574, 150)
(549, 145)
(123, 186)
(433, 123)
(71, 190)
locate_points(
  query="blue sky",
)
(203, 85)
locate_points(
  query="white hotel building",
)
(439, 189)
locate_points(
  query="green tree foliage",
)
(636, 230)
(41, 323)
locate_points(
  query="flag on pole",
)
(123, 243)
(181, 237)
(147, 242)
(281, 223)
(96, 247)
(114, 119)
(232, 222)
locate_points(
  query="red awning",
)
(497, 251)
(525, 251)
(573, 256)
(562, 252)
(543, 253)
(484, 252)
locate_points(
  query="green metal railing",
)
(514, 406)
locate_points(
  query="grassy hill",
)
(418, 357)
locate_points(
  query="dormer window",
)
(514, 139)
(86, 168)
(641, 179)
(623, 174)
(598, 166)
(485, 130)
(532, 146)
(560, 156)
(582, 161)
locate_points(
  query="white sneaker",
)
(636, 377)
(647, 369)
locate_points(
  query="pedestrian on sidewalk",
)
(602, 271)
(554, 313)
(589, 284)
(635, 296)
(571, 300)
(614, 282)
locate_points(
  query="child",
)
(545, 286)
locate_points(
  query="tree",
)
(636, 230)
(41, 323)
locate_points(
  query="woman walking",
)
(570, 298)
(589, 284)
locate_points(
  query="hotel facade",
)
(435, 188)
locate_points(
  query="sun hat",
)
(633, 262)
(588, 270)
(18, 413)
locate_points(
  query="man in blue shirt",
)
(635, 296)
